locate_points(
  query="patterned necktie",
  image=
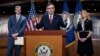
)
(50, 19)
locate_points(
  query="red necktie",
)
(50, 19)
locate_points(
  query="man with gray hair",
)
(16, 27)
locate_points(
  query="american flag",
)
(30, 23)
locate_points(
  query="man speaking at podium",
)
(50, 21)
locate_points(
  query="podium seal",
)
(43, 49)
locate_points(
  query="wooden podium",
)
(46, 43)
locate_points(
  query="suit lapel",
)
(15, 21)
(47, 17)
(19, 19)
(52, 19)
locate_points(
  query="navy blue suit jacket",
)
(56, 23)
(16, 27)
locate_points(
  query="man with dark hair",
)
(16, 27)
(50, 21)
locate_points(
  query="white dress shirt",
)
(51, 16)
(17, 17)
(83, 24)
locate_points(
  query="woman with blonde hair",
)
(84, 32)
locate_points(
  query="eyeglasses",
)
(51, 8)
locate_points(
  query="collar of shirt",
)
(17, 16)
(51, 16)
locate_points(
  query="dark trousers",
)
(85, 54)
(11, 47)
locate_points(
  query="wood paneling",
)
(70, 51)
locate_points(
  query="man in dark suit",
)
(50, 21)
(16, 27)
